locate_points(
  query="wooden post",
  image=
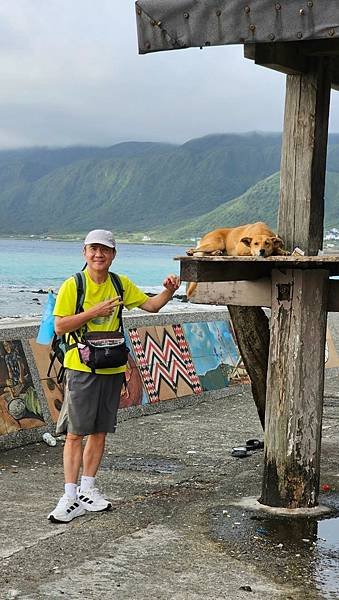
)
(295, 388)
(303, 161)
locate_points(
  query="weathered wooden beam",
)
(236, 268)
(329, 47)
(280, 56)
(236, 293)
(295, 389)
(250, 293)
(200, 270)
(295, 58)
(291, 54)
(303, 162)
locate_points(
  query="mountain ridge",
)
(139, 187)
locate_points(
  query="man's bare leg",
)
(68, 506)
(89, 496)
(93, 453)
(72, 457)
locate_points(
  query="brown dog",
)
(254, 239)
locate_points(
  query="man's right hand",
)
(105, 308)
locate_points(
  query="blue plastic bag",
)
(46, 330)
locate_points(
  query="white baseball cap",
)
(100, 236)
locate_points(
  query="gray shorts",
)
(91, 403)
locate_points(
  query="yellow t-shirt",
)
(65, 306)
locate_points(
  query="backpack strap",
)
(81, 291)
(116, 281)
(80, 282)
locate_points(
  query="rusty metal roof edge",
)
(212, 23)
(147, 49)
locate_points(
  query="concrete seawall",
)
(177, 358)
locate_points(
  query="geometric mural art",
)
(163, 359)
(20, 407)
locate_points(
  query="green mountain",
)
(129, 187)
(259, 203)
(170, 192)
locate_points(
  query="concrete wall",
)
(175, 359)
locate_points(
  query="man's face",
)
(99, 257)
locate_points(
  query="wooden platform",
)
(237, 268)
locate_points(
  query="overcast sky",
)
(71, 74)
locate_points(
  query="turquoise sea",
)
(29, 266)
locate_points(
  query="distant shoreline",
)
(80, 239)
(331, 249)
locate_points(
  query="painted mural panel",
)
(53, 390)
(226, 349)
(133, 394)
(214, 352)
(164, 361)
(224, 345)
(20, 407)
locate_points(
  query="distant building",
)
(332, 234)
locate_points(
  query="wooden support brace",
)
(251, 328)
(295, 389)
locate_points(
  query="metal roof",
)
(174, 24)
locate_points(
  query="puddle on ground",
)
(302, 552)
(148, 465)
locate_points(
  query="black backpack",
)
(60, 345)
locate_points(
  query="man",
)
(92, 399)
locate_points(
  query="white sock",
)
(71, 490)
(86, 483)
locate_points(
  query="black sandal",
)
(254, 444)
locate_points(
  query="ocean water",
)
(28, 267)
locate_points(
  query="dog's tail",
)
(191, 289)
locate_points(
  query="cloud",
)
(71, 74)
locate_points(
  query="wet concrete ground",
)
(175, 532)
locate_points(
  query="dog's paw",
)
(190, 251)
(218, 253)
(281, 252)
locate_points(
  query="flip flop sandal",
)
(239, 452)
(254, 445)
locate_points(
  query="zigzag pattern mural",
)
(164, 361)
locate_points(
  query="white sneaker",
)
(93, 501)
(67, 509)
